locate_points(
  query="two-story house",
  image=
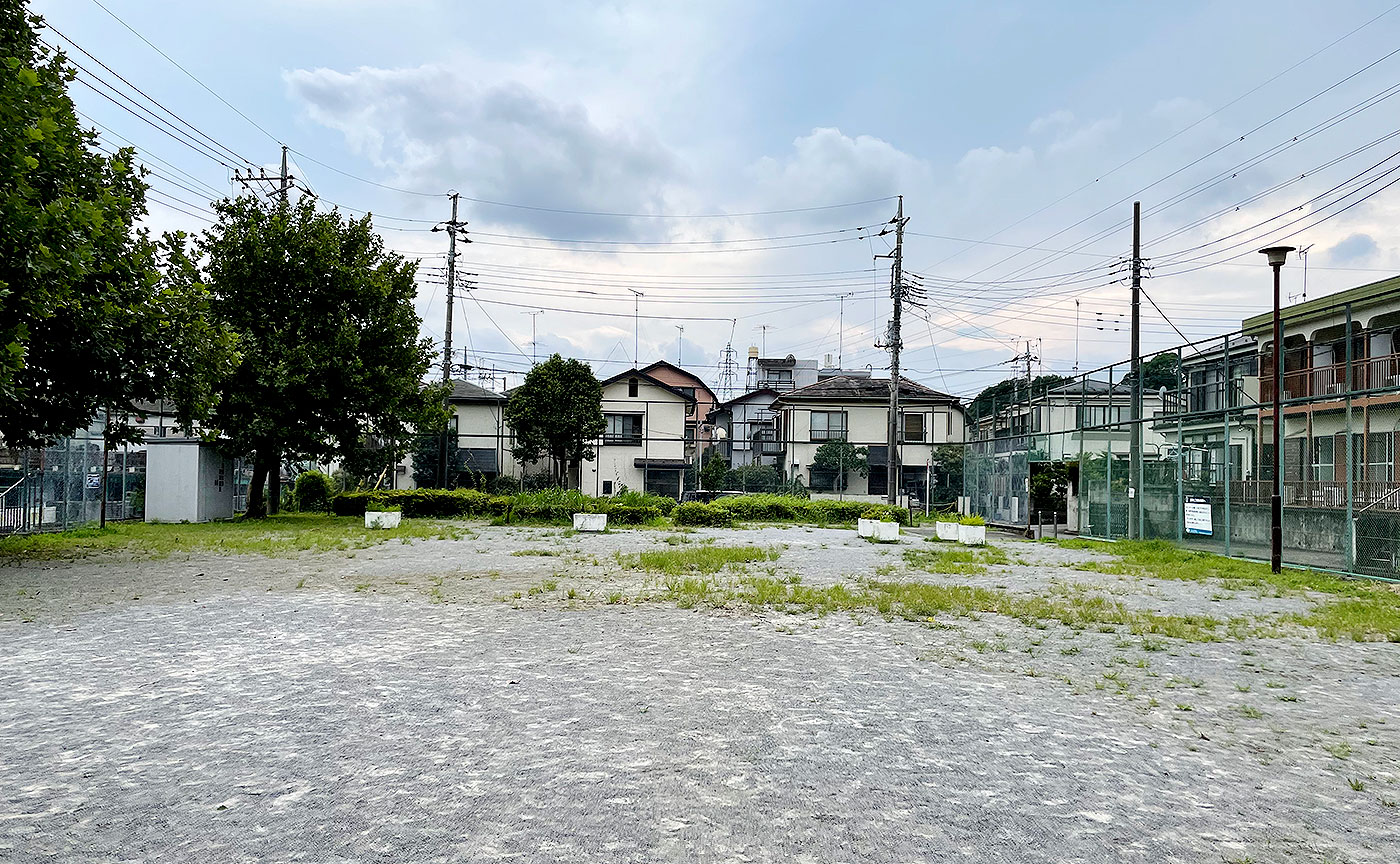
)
(644, 444)
(1317, 398)
(697, 432)
(856, 409)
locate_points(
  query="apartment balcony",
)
(1320, 382)
(1330, 494)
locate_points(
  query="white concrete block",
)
(592, 522)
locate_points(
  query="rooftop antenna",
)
(763, 340)
(680, 331)
(1303, 253)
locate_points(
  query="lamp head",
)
(1277, 254)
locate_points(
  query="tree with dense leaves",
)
(92, 312)
(557, 414)
(1011, 391)
(328, 333)
(843, 457)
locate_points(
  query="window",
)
(607, 487)
(690, 433)
(1324, 460)
(1100, 415)
(777, 376)
(914, 428)
(623, 429)
(1380, 456)
(632, 387)
(828, 425)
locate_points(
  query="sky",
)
(738, 163)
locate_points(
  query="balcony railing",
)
(1331, 494)
(828, 434)
(1368, 373)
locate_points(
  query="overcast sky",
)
(1003, 124)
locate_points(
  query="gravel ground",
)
(401, 703)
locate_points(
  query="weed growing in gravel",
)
(1356, 784)
(703, 559)
(1249, 711)
(1340, 750)
(541, 553)
(1359, 610)
(966, 560)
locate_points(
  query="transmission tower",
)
(728, 372)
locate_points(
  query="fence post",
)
(1110, 428)
(1082, 502)
(1180, 448)
(1229, 468)
(1350, 549)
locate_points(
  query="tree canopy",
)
(556, 414)
(94, 315)
(1010, 390)
(327, 330)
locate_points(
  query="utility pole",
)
(452, 227)
(282, 180)
(284, 174)
(534, 346)
(1135, 508)
(841, 332)
(636, 326)
(897, 290)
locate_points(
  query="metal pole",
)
(1276, 500)
(1351, 385)
(1110, 428)
(444, 450)
(1180, 448)
(1229, 468)
(1135, 510)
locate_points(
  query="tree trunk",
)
(274, 481)
(256, 507)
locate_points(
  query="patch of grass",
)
(1356, 784)
(1357, 609)
(541, 553)
(966, 560)
(275, 536)
(1340, 750)
(702, 559)
(1249, 711)
(917, 601)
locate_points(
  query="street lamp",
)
(1277, 255)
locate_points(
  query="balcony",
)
(1330, 494)
(1320, 382)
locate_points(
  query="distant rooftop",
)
(860, 389)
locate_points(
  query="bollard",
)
(1039, 525)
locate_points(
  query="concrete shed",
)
(187, 480)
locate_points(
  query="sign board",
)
(1198, 516)
(94, 481)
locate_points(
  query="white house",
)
(644, 444)
(856, 409)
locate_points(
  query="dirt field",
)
(529, 694)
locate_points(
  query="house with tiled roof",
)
(856, 409)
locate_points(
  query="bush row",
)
(703, 515)
(554, 505)
(629, 508)
(786, 508)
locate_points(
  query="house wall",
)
(704, 399)
(867, 425)
(187, 481)
(663, 436)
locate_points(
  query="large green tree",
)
(843, 457)
(328, 333)
(1012, 390)
(94, 315)
(557, 414)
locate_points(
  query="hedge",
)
(785, 508)
(631, 508)
(707, 515)
(552, 506)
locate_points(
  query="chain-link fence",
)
(60, 486)
(1184, 448)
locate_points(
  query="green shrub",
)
(708, 515)
(788, 508)
(350, 503)
(376, 507)
(973, 520)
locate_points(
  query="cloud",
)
(993, 163)
(1088, 136)
(1053, 120)
(1353, 250)
(827, 165)
(430, 127)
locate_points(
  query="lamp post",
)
(1277, 255)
